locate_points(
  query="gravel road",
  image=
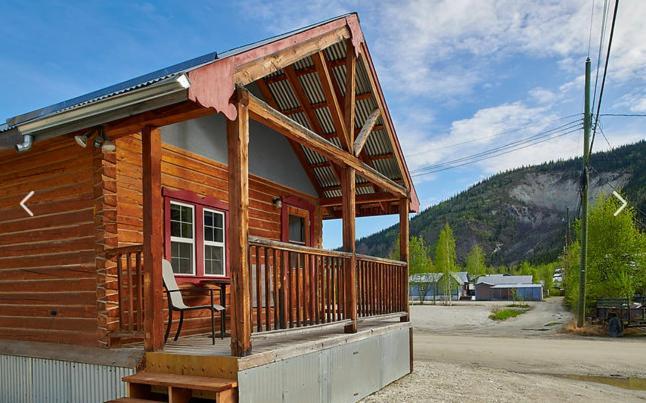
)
(460, 354)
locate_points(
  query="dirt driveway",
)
(460, 354)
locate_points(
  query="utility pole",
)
(587, 123)
(567, 228)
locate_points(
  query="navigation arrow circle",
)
(23, 201)
(621, 199)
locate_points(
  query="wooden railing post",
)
(238, 153)
(349, 212)
(153, 238)
(404, 234)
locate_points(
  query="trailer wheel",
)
(615, 327)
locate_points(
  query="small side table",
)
(222, 284)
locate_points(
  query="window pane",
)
(208, 233)
(187, 230)
(174, 212)
(296, 229)
(218, 220)
(213, 261)
(175, 229)
(219, 235)
(182, 257)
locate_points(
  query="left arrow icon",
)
(23, 201)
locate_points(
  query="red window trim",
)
(199, 203)
(293, 201)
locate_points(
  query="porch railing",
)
(295, 286)
(129, 288)
(381, 286)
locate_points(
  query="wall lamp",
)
(277, 202)
(27, 141)
(100, 141)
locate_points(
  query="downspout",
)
(27, 141)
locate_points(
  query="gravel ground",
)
(441, 382)
(462, 355)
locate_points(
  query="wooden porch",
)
(291, 288)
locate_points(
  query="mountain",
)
(521, 214)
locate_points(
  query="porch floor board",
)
(273, 346)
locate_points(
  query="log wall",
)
(47, 262)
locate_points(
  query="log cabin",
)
(225, 166)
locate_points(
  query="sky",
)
(459, 76)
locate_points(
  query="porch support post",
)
(349, 212)
(404, 234)
(238, 152)
(153, 238)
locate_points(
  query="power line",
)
(515, 130)
(602, 34)
(590, 31)
(605, 72)
(472, 159)
(632, 115)
(503, 146)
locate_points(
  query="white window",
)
(214, 245)
(182, 237)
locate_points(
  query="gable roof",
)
(161, 88)
(500, 279)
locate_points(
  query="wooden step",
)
(181, 381)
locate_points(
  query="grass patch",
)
(506, 313)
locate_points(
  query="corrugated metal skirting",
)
(344, 373)
(36, 380)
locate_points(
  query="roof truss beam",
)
(367, 128)
(263, 113)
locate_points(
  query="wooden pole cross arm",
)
(365, 131)
(263, 113)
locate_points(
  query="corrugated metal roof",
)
(499, 279)
(146, 79)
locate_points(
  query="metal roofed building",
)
(501, 287)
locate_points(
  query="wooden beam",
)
(365, 131)
(238, 153)
(350, 84)
(298, 150)
(374, 84)
(159, 117)
(360, 199)
(272, 118)
(379, 157)
(153, 239)
(304, 101)
(333, 102)
(404, 235)
(265, 65)
(348, 181)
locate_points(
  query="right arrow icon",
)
(621, 199)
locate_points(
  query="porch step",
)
(180, 388)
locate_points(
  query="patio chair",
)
(176, 303)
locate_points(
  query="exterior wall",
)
(47, 262)
(184, 170)
(270, 155)
(346, 372)
(485, 292)
(32, 380)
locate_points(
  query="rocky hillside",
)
(520, 214)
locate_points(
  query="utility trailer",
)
(620, 313)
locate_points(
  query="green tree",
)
(616, 258)
(475, 262)
(445, 258)
(419, 262)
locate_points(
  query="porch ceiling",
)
(297, 91)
